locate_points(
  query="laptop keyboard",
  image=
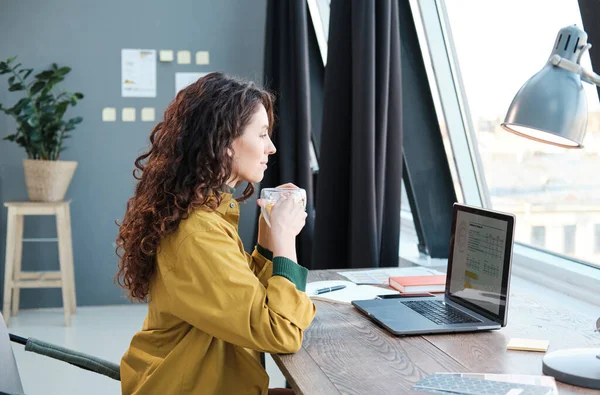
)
(440, 312)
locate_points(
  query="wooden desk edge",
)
(318, 382)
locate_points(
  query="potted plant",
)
(41, 129)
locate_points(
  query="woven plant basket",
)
(48, 180)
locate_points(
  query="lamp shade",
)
(551, 106)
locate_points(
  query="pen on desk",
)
(329, 289)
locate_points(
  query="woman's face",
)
(252, 149)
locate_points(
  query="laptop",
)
(477, 281)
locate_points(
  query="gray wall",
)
(88, 36)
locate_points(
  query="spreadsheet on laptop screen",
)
(478, 260)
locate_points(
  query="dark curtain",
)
(287, 75)
(358, 199)
(590, 9)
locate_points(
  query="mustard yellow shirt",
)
(213, 308)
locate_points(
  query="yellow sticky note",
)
(165, 55)
(148, 114)
(109, 114)
(202, 57)
(128, 114)
(528, 345)
(184, 57)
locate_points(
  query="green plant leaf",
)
(56, 79)
(28, 110)
(33, 121)
(47, 107)
(41, 129)
(47, 120)
(52, 127)
(27, 73)
(61, 108)
(16, 87)
(45, 75)
(37, 86)
(21, 141)
(45, 98)
(64, 70)
(16, 109)
(5, 66)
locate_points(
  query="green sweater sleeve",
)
(264, 252)
(289, 269)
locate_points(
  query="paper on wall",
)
(148, 114)
(184, 79)
(138, 73)
(184, 57)
(128, 114)
(109, 114)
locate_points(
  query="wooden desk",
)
(346, 353)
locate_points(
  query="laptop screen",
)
(481, 249)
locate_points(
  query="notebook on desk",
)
(477, 281)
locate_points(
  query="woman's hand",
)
(287, 218)
(264, 231)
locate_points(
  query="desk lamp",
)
(551, 108)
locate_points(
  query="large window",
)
(552, 191)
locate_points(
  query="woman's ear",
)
(230, 152)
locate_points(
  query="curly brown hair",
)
(185, 168)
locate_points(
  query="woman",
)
(212, 307)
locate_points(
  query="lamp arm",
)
(587, 76)
(591, 77)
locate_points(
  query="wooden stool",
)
(15, 279)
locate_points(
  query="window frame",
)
(449, 101)
(319, 13)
